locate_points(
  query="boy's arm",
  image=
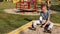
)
(48, 19)
(46, 22)
(40, 18)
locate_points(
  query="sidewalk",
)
(15, 11)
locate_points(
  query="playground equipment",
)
(26, 5)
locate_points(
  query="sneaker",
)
(32, 28)
(48, 31)
(44, 31)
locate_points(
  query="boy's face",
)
(44, 8)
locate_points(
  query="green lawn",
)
(9, 22)
(7, 5)
(55, 8)
(55, 18)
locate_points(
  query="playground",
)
(14, 15)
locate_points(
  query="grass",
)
(9, 22)
(55, 18)
(7, 5)
(55, 7)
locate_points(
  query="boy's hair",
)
(43, 5)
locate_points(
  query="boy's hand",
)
(43, 26)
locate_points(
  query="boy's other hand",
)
(43, 26)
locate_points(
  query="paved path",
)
(15, 11)
(55, 30)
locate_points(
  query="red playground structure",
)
(26, 5)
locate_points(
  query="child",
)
(44, 20)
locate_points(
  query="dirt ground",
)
(39, 30)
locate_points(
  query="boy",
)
(44, 20)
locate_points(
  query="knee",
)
(34, 23)
(52, 23)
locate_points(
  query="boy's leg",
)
(48, 27)
(35, 22)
